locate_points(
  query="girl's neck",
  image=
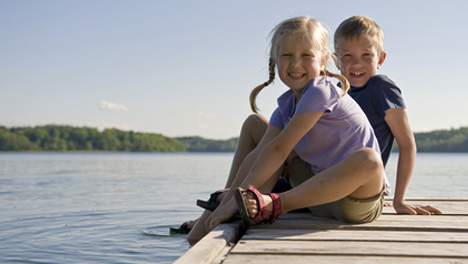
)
(298, 95)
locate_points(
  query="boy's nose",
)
(355, 60)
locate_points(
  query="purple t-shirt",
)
(342, 130)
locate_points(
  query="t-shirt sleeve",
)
(276, 119)
(387, 94)
(317, 98)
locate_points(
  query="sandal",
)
(263, 215)
(182, 229)
(212, 203)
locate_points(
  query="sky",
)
(186, 68)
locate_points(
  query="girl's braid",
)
(256, 90)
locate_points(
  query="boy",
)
(359, 54)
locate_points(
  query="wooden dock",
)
(304, 238)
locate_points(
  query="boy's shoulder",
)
(385, 91)
(380, 80)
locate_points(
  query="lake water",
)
(118, 207)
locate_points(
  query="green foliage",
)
(453, 140)
(198, 144)
(67, 138)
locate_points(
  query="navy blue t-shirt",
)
(378, 95)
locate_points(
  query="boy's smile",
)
(359, 60)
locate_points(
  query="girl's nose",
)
(294, 61)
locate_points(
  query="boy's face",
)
(359, 60)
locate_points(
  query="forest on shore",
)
(69, 138)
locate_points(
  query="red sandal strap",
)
(276, 207)
(262, 213)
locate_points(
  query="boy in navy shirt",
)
(359, 54)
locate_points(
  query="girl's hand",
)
(404, 208)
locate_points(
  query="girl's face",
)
(299, 62)
(359, 60)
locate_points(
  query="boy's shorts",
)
(347, 209)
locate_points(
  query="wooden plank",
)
(282, 259)
(305, 238)
(352, 248)
(213, 244)
(432, 199)
(385, 222)
(448, 206)
(351, 235)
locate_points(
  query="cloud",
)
(204, 114)
(105, 105)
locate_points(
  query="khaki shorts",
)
(349, 210)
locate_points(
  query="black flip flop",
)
(182, 229)
(211, 204)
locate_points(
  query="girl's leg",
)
(252, 131)
(359, 176)
(198, 230)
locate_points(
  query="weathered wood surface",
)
(304, 238)
(210, 247)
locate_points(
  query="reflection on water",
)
(101, 208)
(441, 175)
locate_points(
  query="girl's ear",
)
(382, 57)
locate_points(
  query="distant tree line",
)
(453, 140)
(68, 138)
(198, 144)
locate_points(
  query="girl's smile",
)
(298, 62)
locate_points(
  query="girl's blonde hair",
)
(307, 28)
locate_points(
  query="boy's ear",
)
(383, 55)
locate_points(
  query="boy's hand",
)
(404, 208)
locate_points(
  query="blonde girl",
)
(317, 124)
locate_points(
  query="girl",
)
(317, 122)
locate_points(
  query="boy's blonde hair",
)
(359, 27)
(307, 28)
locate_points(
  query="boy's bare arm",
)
(397, 120)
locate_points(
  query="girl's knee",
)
(255, 120)
(254, 127)
(369, 160)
